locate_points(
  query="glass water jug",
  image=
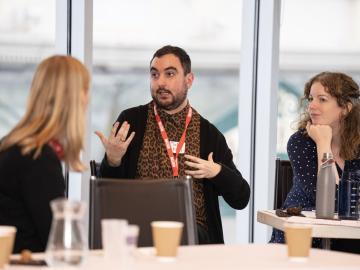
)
(67, 243)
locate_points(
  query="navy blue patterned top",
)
(303, 158)
(302, 154)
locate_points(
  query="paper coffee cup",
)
(7, 237)
(298, 239)
(166, 237)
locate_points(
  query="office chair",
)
(283, 181)
(140, 202)
(94, 168)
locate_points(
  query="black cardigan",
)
(229, 183)
(27, 186)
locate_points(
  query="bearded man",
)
(167, 138)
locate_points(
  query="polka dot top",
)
(303, 157)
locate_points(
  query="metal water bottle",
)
(325, 188)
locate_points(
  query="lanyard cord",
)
(173, 159)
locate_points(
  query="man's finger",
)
(102, 137)
(187, 172)
(130, 138)
(210, 157)
(194, 172)
(126, 131)
(192, 158)
(114, 129)
(120, 134)
(193, 164)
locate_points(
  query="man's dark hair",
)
(178, 52)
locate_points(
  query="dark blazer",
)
(27, 186)
(229, 183)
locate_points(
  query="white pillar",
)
(61, 27)
(266, 112)
(82, 49)
(258, 111)
(247, 63)
(81, 44)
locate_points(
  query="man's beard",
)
(172, 105)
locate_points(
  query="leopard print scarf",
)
(154, 160)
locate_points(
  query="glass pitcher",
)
(67, 243)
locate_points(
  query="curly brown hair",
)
(346, 91)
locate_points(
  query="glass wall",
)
(124, 45)
(315, 36)
(27, 35)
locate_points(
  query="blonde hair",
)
(55, 110)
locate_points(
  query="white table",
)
(321, 228)
(218, 257)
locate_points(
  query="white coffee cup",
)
(113, 234)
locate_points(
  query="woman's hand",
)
(202, 168)
(321, 134)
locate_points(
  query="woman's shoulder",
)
(300, 141)
(11, 153)
(11, 160)
(14, 155)
(300, 137)
(44, 171)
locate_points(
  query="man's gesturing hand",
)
(202, 168)
(117, 144)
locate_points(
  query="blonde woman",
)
(51, 131)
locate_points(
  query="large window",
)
(124, 45)
(315, 36)
(27, 35)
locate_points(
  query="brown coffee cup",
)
(7, 237)
(166, 238)
(298, 239)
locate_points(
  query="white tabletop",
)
(218, 257)
(321, 228)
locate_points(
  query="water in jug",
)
(67, 243)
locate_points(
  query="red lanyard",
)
(57, 148)
(173, 160)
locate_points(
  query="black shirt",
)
(27, 186)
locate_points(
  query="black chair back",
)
(94, 168)
(140, 202)
(283, 181)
